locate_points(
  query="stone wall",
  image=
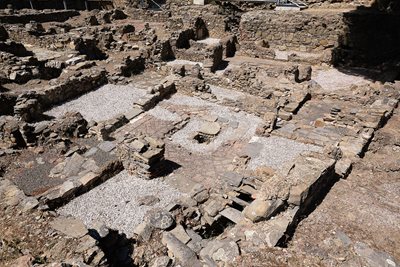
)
(86, 81)
(298, 31)
(182, 17)
(359, 37)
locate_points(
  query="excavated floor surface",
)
(357, 222)
(239, 134)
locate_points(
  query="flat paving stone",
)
(69, 226)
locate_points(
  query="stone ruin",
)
(142, 156)
(179, 133)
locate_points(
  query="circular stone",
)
(161, 220)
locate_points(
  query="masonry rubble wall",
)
(299, 31)
(355, 37)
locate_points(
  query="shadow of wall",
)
(371, 38)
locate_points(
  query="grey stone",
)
(161, 220)
(221, 250)
(223, 120)
(144, 230)
(162, 261)
(197, 188)
(196, 243)
(213, 207)
(233, 124)
(210, 118)
(41, 126)
(148, 200)
(73, 165)
(261, 209)
(74, 60)
(199, 193)
(374, 258)
(66, 187)
(69, 226)
(90, 165)
(277, 227)
(233, 178)
(57, 170)
(91, 152)
(180, 233)
(202, 196)
(72, 151)
(182, 253)
(29, 203)
(210, 128)
(130, 115)
(344, 239)
(232, 214)
(137, 145)
(343, 167)
(106, 146)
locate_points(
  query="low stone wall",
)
(73, 87)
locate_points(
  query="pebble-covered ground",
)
(332, 79)
(275, 152)
(116, 202)
(102, 104)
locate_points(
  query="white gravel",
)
(275, 152)
(210, 41)
(114, 202)
(183, 62)
(102, 104)
(333, 79)
(236, 125)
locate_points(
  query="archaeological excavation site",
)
(199, 133)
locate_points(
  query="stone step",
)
(232, 214)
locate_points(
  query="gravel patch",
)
(115, 202)
(235, 126)
(183, 62)
(333, 79)
(102, 104)
(275, 152)
(284, 55)
(210, 41)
